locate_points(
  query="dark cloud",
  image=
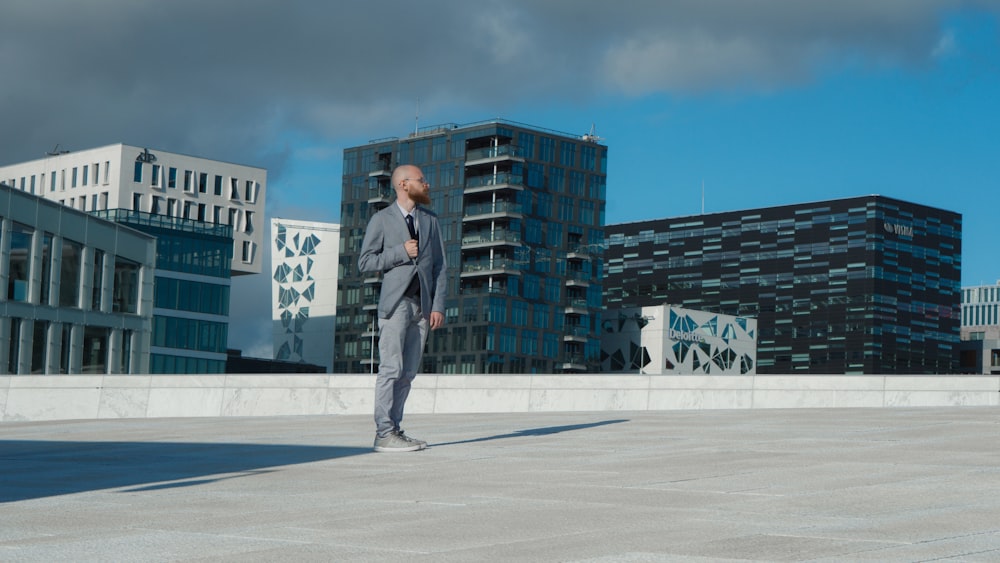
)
(226, 78)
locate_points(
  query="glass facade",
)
(524, 286)
(860, 285)
(191, 314)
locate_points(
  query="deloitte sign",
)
(686, 336)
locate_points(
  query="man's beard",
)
(421, 198)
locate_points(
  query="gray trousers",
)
(400, 348)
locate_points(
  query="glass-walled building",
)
(77, 290)
(522, 214)
(191, 296)
(858, 285)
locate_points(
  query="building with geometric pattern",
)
(671, 340)
(860, 285)
(304, 264)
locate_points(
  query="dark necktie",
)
(409, 225)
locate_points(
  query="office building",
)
(672, 340)
(980, 339)
(522, 214)
(205, 215)
(304, 263)
(856, 285)
(78, 292)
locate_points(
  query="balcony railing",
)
(495, 236)
(497, 152)
(492, 208)
(502, 179)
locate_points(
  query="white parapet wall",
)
(62, 397)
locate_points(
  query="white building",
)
(672, 340)
(77, 291)
(979, 349)
(305, 258)
(155, 182)
(205, 215)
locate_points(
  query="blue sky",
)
(764, 102)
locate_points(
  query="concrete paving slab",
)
(882, 484)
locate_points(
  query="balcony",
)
(576, 334)
(493, 182)
(577, 279)
(500, 153)
(370, 303)
(577, 307)
(372, 279)
(573, 363)
(492, 210)
(381, 168)
(497, 266)
(483, 289)
(491, 238)
(382, 195)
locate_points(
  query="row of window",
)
(68, 257)
(96, 353)
(197, 182)
(79, 176)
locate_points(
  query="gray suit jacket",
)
(382, 251)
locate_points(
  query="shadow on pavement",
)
(37, 469)
(535, 432)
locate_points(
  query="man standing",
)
(403, 242)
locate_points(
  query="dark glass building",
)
(522, 215)
(859, 285)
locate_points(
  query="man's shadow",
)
(534, 432)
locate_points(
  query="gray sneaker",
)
(395, 443)
(411, 440)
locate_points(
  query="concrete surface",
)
(879, 484)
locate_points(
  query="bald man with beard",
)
(403, 242)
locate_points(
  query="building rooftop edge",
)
(800, 204)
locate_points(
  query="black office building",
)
(522, 216)
(859, 285)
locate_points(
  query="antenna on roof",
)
(416, 118)
(56, 152)
(592, 136)
(702, 196)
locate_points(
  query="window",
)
(20, 260)
(86, 174)
(202, 183)
(247, 252)
(69, 274)
(248, 222)
(52, 182)
(249, 192)
(201, 212)
(125, 296)
(95, 350)
(32, 183)
(14, 345)
(154, 206)
(218, 185)
(137, 174)
(72, 184)
(46, 268)
(38, 347)
(156, 175)
(187, 181)
(107, 171)
(171, 207)
(97, 173)
(234, 189)
(98, 285)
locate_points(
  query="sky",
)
(705, 105)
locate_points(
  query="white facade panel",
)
(304, 265)
(672, 340)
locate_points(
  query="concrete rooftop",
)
(851, 484)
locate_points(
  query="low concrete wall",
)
(107, 396)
